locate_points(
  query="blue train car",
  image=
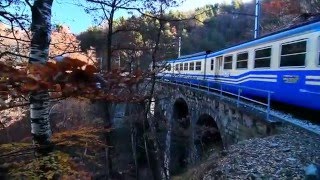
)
(287, 63)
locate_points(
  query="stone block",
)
(248, 121)
(261, 128)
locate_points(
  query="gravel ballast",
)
(281, 156)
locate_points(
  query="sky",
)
(78, 21)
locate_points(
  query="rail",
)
(221, 89)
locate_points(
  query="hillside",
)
(63, 42)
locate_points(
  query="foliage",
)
(278, 14)
(48, 167)
(93, 37)
(65, 78)
(83, 137)
(211, 27)
(13, 147)
(72, 149)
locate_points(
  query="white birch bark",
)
(39, 53)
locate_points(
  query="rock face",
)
(292, 154)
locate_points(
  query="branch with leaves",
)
(66, 78)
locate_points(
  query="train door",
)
(218, 65)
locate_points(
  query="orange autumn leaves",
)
(65, 78)
(281, 7)
(52, 76)
(56, 75)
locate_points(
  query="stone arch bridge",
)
(200, 121)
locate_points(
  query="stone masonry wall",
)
(235, 123)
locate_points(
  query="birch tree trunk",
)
(39, 53)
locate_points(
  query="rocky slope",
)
(282, 156)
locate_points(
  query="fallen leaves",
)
(83, 137)
(67, 161)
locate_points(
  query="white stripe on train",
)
(314, 83)
(250, 79)
(313, 77)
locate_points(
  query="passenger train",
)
(287, 63)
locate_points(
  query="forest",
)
(211, 27)
(61, 93)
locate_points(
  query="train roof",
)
(194, 55)
(287, 32)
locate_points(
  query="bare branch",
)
(11, 53)
(28, 3)
(16, 39)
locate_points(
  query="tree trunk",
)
(39, 116)
(134, 148)
(110, 34)
(39, 52)
(109, 42)
(150, 117)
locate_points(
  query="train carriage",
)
(285, 63)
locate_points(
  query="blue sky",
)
(76, 18)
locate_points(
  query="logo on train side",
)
(226, 74)
(290, 79)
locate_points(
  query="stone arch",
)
(207, 135)
(181, 113)
(181, 137)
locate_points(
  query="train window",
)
(293, 54)
(262, 58)
(192, 66)
(177, 67)
(198, 66)
(227, 62)
(212, 64)
(181, 66)
(242, 60)
(185, 67)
